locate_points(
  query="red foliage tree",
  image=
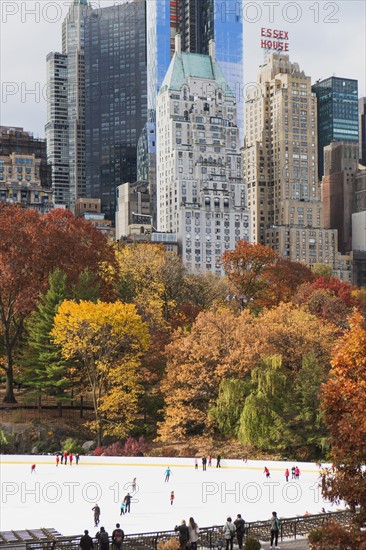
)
(31, 247)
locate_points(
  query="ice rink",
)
(62, 497)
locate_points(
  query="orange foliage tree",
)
(344, 406)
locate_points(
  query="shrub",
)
(109, 450)
(135, 447)
(252, 544)
(316, 535)
(171, 544)
(72, 446)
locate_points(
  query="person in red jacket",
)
(71, 458)
(57, 460)
(297, 472)
(65, 457)
(33, 468)
(287, 474)
(266, 471)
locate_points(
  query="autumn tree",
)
(108, 339)
(246, 268)
(31, 247)
(344, 405)
(197, 362)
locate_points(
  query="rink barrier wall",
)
(209, 538)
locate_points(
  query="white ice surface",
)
(62, 497)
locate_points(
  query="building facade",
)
(21, 183)
(337, 113)
(116, 101)
(200, 194)
(198, 22)
(338, 190)
(280, 163)
(57, 127)
(362, 130)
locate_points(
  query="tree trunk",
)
(9, 391)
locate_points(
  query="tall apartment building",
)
(116, 108)
(57, 126)
(338, 190)
(65, 126)
(337, 113)
(362, 129)
(198, 22)
(201, 194)
(280, 162)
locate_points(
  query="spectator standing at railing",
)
(103, 539)
(275, 528)
(86, 542)
(240, 530)
(193, 534)
(183, 535)
(117, 537)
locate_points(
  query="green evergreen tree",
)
(44, 368)
(87, 287)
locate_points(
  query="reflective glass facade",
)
(337, 113)
(116, 98)
(362, 129)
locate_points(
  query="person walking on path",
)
(266, 471)
(193, 533)
(172, 497)
(240, 530)
(275, 528)
(229, 534)
(33, 468)
(86, 542)
(167, 474)
(287, 474)
(117, 537)
(218, 461)
(103, 539)
(183, 534)
(96, 511)
(127, 501)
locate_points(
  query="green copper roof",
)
(185, 64)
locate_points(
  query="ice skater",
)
(57, 460)
(33, 468)
(287, 474)
(195, 464)
(123, 508)
(134, 485)
(167, 474)
(218, 461)
(71, 458)
(267, 472)
(127, 501)
(172, 497)
(96, 511)
(77, 458)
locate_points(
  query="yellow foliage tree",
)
(108, 339)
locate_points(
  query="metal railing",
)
(209, 538)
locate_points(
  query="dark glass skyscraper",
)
(362, 129)
(116, 97)
(337, 113)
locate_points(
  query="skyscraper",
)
(57, 127)
(65, 126)
(362, 129)
(280, 166)
(201, 194)
(116, 97)
(198, 22)
(337, 113)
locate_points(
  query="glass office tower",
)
(337, 113)
(116, 98)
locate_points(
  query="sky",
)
(325, 38)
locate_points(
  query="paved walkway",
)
(298, 544)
